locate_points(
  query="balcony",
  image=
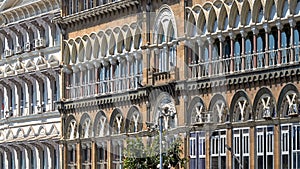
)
(245, 63)
(103, 87)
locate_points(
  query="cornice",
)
(97, 11)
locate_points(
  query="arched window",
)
(285, 8)
(215, 58)
(248, 53)
(205, 61)
(72, 130)
(215, 26)
(248, 18)
(260, 14)
(260, 47)
(70, 7)
(237, 54)
(273, 47)
(237, 21)
(297, 9)
(285, 44)
(273, 12)
(296, 43)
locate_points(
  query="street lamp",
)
(163, 112)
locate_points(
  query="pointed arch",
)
(234, 16)
(80, 50)
(201, 23)
(165, 15)
(85, 126)
(191, 27)
(96, 48)
(246, 13)
(116, 122)
(270, 10)
(66, 52)
(283, 8)
(223, 20)
(264, 104)
(258, 12)
(219, 108)
(288, 100)
(100, 125)
(20, 133)
(134, 120)
(74, 55)
(195, 111)
(120, 42)
(240, 107)
(88, 47)
(104, 47)
(212, 23)
(112, 44)
(128, 40)
(170, 33)
(137, 38)
(71, 130)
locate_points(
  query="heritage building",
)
(228, 70)
(29, 84)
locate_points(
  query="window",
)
(218, 149)
(117, 160)
(241, 148)
(71, 156)
(260, 51)
(248, 53)
(273, 47)
(101, 155)
(296, 43)
(197, 150)
(290, 146)
(86, 156)
(237, 55)
(264, 147)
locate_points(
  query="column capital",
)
(243, 33)
(279, 25)
(292, 22)
(210, 40)
(232, 35)
(221, 37)
(266, 27)
(255, 30)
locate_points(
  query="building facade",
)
(227, 69)
(29, 84)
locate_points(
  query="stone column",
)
(267, 30)
(78, 155)
(221, 61)
(252, 147)
(292, 26)
(243, 34)
(255, 33)
(279, 27)
(229, 152)
(93, 157)
(210, 50)
(207, 150)
(232, 36)
(277, 147)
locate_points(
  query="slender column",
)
(292, 26)
(267, 31)
(229, 143)
(38, 96)
(221, 61)
(64, 153)
(232, 36)
(200, 57)
(27, 160)
(243, 34)
(78, 154)
(255, 33)
(252, 147)
(27, 99)
(207, 150)
(279, 27)
(277, 146)
(93, 157)
(210, 50)
(49, 94)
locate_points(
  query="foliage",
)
(139, 156)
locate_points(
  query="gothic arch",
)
(80, 50)
(246, 13)
(240, 107)
(201, 22)
(270, 12)
(264, 101)
(258, 11)
(212, 23)
(164, 17)
(288, 97)
(234, 13)
(116, 122)
(137, 38)
(100, 125)
(283, 8)
(66, 52)
(128, 40)
(191, 27)
(195, 109)
(223, 20)
(219, 109)
(120, 43)
(71, 129)
(88, 47)
(85, 126)
(134, 120)
(96, 48)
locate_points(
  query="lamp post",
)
(163, 112)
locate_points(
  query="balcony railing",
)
(246, 62)
(116, 85)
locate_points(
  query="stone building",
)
(29, 84)
(227, 69)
